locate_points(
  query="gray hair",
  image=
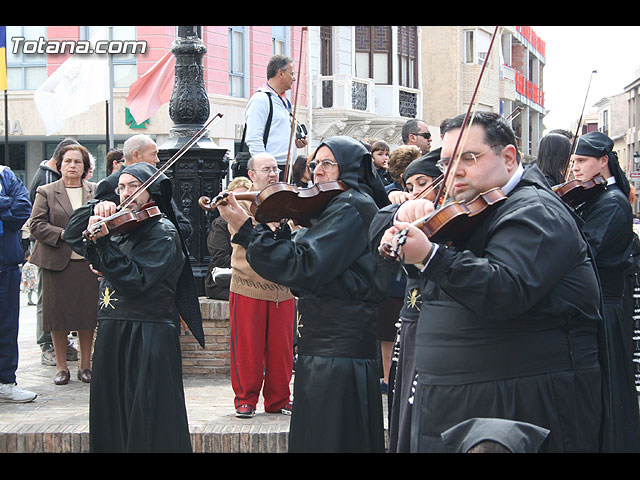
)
(137, 142)
(277, 63)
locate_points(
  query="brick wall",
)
(214, 358)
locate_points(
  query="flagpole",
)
(6, 127)
(6, 104)
(110, 139)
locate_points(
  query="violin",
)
(124, 221)
(452, 222)
(282, 200)
(575, 192)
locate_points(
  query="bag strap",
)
(267, 126)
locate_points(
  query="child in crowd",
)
(29, 283)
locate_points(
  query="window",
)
(25, 71)
(407, 56)
(326, 47)
(476, 45)
(373, 53)
(468, 46)
(125, 69)
(17, 158)
(279, 40)
(236, 61)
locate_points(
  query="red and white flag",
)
(153, 89)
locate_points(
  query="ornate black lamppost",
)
(201, 169)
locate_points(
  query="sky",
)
(572, 53)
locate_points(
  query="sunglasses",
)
(426, 135)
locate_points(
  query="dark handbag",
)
(239, 165)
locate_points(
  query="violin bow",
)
(288, 171)
(513, 115)
(455, 157)
(390, 251)
(169, 163)
(575, 137)
(429, 188)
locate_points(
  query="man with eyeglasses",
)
(137, 400)
(416, 132)
(138, 148)
(261, 315)
(329, 266)
(510, 322)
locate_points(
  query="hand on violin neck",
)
(104, 209)
(232, 212)
(414, 244)
(102, 232)
(398, 196)
(413, 210)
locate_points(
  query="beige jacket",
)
(246, 282)
(49, 215)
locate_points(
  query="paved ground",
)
(65, 408)
(57, 421)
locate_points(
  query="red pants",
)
(261, 350)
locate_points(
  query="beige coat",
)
(49, 215)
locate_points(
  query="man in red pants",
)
(261, 318)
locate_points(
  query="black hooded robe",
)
(608, 227)
(508, 327)
(137, 399)
(337, 404)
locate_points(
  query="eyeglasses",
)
(426, 135)
(268, 170)
(325, 164)
(467, 159)
(123, 188)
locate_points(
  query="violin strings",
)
(450, 179)
(429, 188)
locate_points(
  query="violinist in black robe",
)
(137, 400)
(608, 226)
(509, 322)
(418, 179)
(337, 404)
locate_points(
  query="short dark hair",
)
(410, 126)
(277, 63)
(115, 154)
(85, 157)
(496, 130)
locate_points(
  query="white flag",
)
(81, 81)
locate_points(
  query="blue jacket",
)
(15, 208)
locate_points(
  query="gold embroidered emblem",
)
(108, 299)
(413, 299)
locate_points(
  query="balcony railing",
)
(345, 92)
(529, 89)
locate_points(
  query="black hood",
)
(356, 167)
(143, 171)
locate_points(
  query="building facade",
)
(362, 81)
(512, 84)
